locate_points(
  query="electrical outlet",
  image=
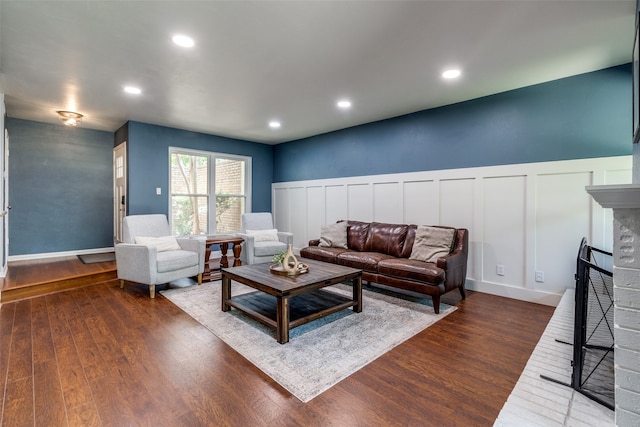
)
(500, 270)
(158, 191)
(540, 276)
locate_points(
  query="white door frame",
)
(119, 189)
(4, 202)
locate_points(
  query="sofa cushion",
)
(408, 241)
(320, 253)
(334, 235)
(386, 238)
(412, 269)
(431, 243)
(357, 235)
(175, 260)
(362, 260)
(162, 244)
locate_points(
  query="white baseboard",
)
(58, 254)
(513, 292)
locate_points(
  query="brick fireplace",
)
(625, 202)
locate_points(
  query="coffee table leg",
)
(226, 292)
(357, 294)
(282, 320)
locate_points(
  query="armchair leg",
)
(200, 279)
(121, 283)
(152, 291)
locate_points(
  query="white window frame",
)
(212, 156)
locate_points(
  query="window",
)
(119, 167)
(209, 191)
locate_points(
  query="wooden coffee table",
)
(285, 302)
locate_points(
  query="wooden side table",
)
(224, 241)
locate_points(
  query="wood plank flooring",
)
(102, 356)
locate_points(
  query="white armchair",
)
(151, 255)
(261, 240)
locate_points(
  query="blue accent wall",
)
(148, 157)
(583, 116)
(60, 188)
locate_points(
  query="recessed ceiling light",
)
(183, 41)
(451, 74)
(274, 124)
(344, 104)
(133, 90)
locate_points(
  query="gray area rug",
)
(320, 353)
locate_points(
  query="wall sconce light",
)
(70, 118)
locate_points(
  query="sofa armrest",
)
(452, 260)
(137, 263)
(314, 242)
(455, 263)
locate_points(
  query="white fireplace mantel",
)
(625, 202)
(625, 196)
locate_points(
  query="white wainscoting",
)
(527, 218)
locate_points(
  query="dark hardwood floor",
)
(102, 356)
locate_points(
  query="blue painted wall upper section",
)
(583, 116)
(60, 178)
(60, 188)
(148, 156)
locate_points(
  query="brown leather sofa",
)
(382, 252)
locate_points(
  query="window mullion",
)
(212, 191)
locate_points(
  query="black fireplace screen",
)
(593, 340)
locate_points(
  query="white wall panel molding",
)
(416, 206)
(360, 201)
(527, 218)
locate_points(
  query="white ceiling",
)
(256, 61)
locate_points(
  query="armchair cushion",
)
(268, 248)
(163, 244)
(175, 260)
(270, 235)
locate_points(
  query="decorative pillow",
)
(431, 243)
(164, 243)
(334, 235)
(263, 235)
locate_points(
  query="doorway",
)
(4, 202)
(119, 190)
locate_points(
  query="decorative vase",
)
(290, 262)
